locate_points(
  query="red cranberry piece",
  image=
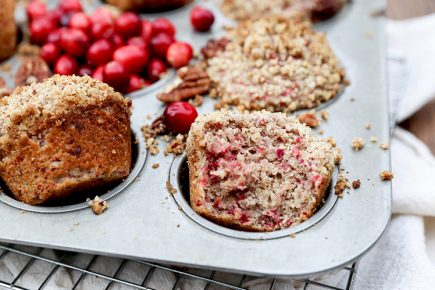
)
(39, 30)
(80, 21)
(136, 83)
(102, 30)
(85, 70)
(65, 65)
(279, 153)
(116, 75)
(35, 9)
(202, 19)
(132, 58)
(100, 52)
(117, 41)
(102, 15)
(147, 31)
(98, 73)
(156, 67)
(160, 44)
(70, 6)
(50, 53)
(54, 36)
(54, 16)
(163, 25)
(128, 24)
(75, 42)
(179, 54)
(179, 116)
(138, 41)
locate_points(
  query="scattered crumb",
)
(148, 116)
(98, 205)
(373, 139)
(356, 184)
(324, 115)
(309, 119)
(321, 132)
(177, 145)
(368, 126)
(171, 189)
(368, 34)
(293, 235)
(386, 175)
(357, 143)
(198, 100)
(155, 165)
(331, 141)
(384, 146)
(341, 185)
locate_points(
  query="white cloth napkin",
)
(400, 259)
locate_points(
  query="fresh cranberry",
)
(179, 116)
(160, 44)
(84, 70)
(39, 30)
(138, 41)
(102, 15)
(36, 9)
(70, 6)
(98, 73)
(54, 36)
(179, 54)
(50, 53)
(132, 58)
(116, 75)
(163, 25)
(156, 67)
(128, 24)
(80, 21)
(117, 41)
(147, 31)
(54, 16)
(66, 65)
(136, 83)
(102, 30)
(202, 19)
(75, 42)
(100, 52)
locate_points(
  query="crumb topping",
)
(357, 143)
(310, 119)
(356, 184)
(98, 205)
(386, 175)
(277, 64)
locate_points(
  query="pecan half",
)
(192, 80)
(213, 47)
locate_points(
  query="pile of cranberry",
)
(126, 52)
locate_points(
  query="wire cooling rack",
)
(37, 268)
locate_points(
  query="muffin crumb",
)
(357, 143)
(309, 119)
(98, 205)
(171, 189)
(293, 235)
(341, 185)
(384, 146)
(373, 139)
(386, 175)
(368, 126)
(155, 165)
(324, 115)
(356, 184)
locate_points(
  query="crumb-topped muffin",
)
(277, 64)
(316, 9)
(258, 172)
(61, 136)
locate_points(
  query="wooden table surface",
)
(422, 124)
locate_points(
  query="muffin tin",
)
(146, 222)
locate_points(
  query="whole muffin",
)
(61, 136)
(257, 172)
(8, 32)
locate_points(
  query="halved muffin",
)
(61, 136)
(277, 64)
(258, 172)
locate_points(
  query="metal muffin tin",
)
(145, 222)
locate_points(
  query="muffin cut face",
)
(276, 64)
(257, 172)
(63, 135)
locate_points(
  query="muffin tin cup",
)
(145, 222)
(138, 161)
(179, 178)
